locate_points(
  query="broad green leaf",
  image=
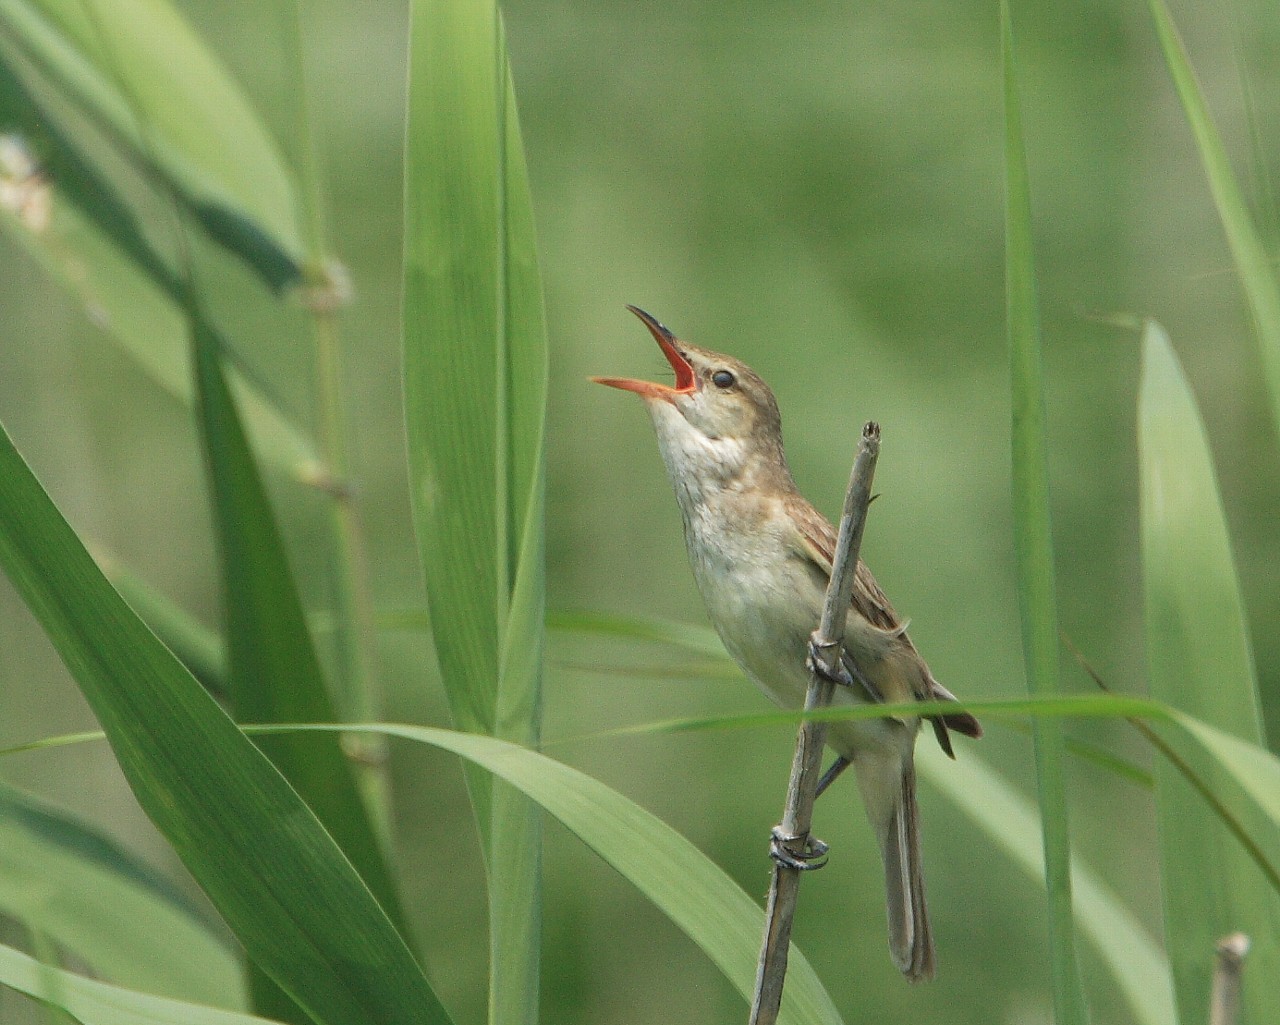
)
(456, 347)
(65, 880)
(137, 69)
(278, 879)
(475, 395)
(1253, 264)
(1033, 542)
(82, 234)
(273, 671)
(97, 1003)
(1199, 662)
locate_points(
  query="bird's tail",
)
(891, 806)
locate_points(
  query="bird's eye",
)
(723, 379)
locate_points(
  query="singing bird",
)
(761, 555)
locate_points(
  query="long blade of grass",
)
(1257, 275)
(204, 141)
(274, 673)
(1199, 661)
(98, 1003)
(452, 326)
(277, 877)
(1033, 541)
(62, 878)
(475, 395)
(516, 855)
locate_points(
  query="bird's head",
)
(718, 421)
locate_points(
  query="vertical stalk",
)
(324, 291)
(1033, 543)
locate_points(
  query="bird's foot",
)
(816, 663)
(813, 855)
(846, 674)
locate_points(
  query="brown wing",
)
(873, 605)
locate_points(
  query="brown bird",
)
(761, 555)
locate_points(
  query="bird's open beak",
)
(686, 380)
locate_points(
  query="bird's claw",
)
(814, 855)
(817, 664)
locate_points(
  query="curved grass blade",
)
(1033, 541)
(63, 879)
(203, 139)
(273, 872)
(1199, 662)
(475, 397)
(715, 663)
(1257, 274)
(97, 1003)
(648, 853)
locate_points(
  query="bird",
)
(761, 556)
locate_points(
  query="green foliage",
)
(275, 875)
(475, 385)
(273, 672)
(1200, 662)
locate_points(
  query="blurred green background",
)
(817, 190)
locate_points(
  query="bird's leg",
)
(832, 774)
(814, 855)
(846, 674)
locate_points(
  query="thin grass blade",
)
(1033, 540)
(515, 879)
(278, 879)
(1199, 662)
(1253, 265)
